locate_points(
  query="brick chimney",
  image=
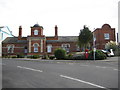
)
(20, 33)
(56, 31)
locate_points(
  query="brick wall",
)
(99, 33)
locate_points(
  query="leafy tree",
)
(84, 38)
(111, 45)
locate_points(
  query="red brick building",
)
(37, 43)
(104, 35)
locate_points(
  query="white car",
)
(109, 54)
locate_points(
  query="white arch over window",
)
(35, 45)
(35, 32)
(10, 48)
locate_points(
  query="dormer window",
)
(35, 32)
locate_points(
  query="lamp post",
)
(94, 49)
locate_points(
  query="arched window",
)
(35, 32)
(10, 48)
(35, 47)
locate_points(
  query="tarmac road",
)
(26, 73)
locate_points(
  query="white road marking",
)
(100, 67)
(115, 69)
(75, 79)
(84, 65)
(30, 69)
(70, 63)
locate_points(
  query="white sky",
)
(69, 15)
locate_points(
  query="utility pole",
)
(94, 49)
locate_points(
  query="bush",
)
(99, 55)
(33, 56)
(45, 56)
(36, 56)
(13, 56)
(20, 56)
(51, 57)
(60, 53)
(79, 57)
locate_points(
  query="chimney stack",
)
(56, 31)
(20, 33)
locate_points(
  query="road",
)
(25, 73)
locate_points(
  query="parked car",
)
(108, 53)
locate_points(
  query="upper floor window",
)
(35, 32)
(66, 47)
(10, 48)
(106, 36)
(35, 47)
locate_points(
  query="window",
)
(66, 47)
(35, 32)
(106, 36)
(35, 47)
(49, 48)
(25, 49)
(10, 48)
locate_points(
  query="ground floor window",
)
(35, 47)
(10, 48)
(49, 48)
(66, 47)
(25, 49)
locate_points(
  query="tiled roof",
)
(64, 39)
(14, 40)
(60, 39)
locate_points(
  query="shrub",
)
(60, 53)
(79, 57)
(13, 56)
(51, 57)
(99, 55)
(45, 56)
(33, 56)
(20, 56)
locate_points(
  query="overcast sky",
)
(68, 15)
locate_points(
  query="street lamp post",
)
(94, 49)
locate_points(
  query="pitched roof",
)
(64, 39)
(60, 39)
(14, 40)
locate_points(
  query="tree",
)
(84, 38)
(111, 45)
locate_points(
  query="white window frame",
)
(35, 32)
(36, 47)
(106, 36)
(66, 46)
(49, 48)
(10, 48)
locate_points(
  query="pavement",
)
(32, 73)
